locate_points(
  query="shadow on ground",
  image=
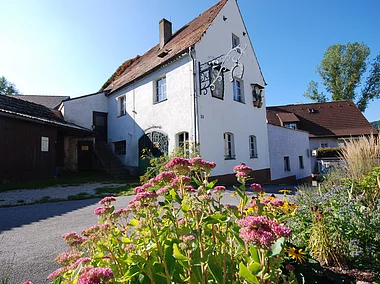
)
(12, 217)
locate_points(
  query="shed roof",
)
(52, 102)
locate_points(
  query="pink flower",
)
(120, 211)
(90, 231)
(189, 188)
(219, 188)
(179, 165)
(277, 202)
(290, 267)
(163, 190)
(73, 239)
(27, 282)
(96, 276)
(107, 200)
(198, 164)
(101, 210)
(261, 231)
(57, 273)
(79, 261)
(242, 168)
(241, 175)
(265, 201)
(164, 177)
(67, 258)
(142, 188)
(257, 187)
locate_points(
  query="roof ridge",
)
(192, 32)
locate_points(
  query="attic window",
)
(163, 53)
(310, 110)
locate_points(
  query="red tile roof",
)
(179, 44)
(329, 119)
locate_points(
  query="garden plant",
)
(177, 229)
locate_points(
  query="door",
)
(99, 122)
(85, 154)
(156, 143)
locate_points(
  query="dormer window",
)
(291, 125)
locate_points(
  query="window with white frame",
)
(238, 90)
(229, 146)
(160, 90)
(121, 106)
(120, 148)
(235, 42)
(286, 164)
(324, 144)
(252, 146)
(300, 159)
(183, 143)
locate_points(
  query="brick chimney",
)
(165, 32)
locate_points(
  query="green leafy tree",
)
(8, 88)
(342, 70)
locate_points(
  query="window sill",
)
(157, 102)
(124, 114)
(219, 98)
(229, 158)
(253, 157)
(239, 102)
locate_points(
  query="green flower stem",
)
(162, 256)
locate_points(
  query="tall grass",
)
(361, 156)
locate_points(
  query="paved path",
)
(31, 235)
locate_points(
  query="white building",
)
(201, 84)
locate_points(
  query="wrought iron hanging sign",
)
(212, 71)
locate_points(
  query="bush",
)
(176, 229)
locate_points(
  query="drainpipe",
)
(195, 101)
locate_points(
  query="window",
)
(183, 142)
(121, 102)
(160, 90)
(291, 125)
(324, 144)
(300, 159)
(286, 164)
(120, 148)
(218, 91)
(252, 147)
(238, 90)
(229, 147)
(235, 42)
(44, 144)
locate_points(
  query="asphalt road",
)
(31, 235)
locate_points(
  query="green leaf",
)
(57, 281)
(255, 268)
(185, 208)
(175, 196)
(247, 275)
(277, 247)
(215, 268)
(177, 253)
(76, 272)
(134, 222)
(254, 254)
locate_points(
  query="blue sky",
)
(71, 47)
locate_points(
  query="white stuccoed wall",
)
(288, 142)
(228, 115)
(80, 110)
(172, 116)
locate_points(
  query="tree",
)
(342, 70)
(8, 88)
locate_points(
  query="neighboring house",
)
(201, 84)
(329, 125)
(289, 155)
(35, 141)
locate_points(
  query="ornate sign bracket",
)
(213, 70)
